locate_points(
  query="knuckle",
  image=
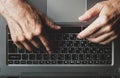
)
(99, 4)
(22, 38)
(15, 39)
(38, 32)
(87, 14)
(114, 33)
(29, 36)
(105, 19)
(108, 29)
(97, 41)
(103, 43)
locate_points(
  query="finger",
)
(109, 40)
(32, 40)
(28, 45)
(36, 42)
(102, 31)
(50, 23)
(19, 45)
(14, 28)
(25, 42)
(102, 38)
(95, 26)
(46, 43)
(94, 11)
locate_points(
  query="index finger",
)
(97, 24)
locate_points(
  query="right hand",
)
(26, 25)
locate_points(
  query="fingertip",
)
(57, 27)
(49, 50)
(83, 18)
(79, 36)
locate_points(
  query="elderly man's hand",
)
(26, 25)
(106, 27)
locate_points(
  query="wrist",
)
(9, 4)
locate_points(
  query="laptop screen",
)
(65, 10)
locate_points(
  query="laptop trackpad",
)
(66, 10)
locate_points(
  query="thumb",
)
(94, 11)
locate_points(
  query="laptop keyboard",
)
(68, 51)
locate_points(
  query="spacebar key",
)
(14, 56)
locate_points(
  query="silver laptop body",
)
(66, 17)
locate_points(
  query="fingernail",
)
(81, 18)
(58, 27)
(79, 37)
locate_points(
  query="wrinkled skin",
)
(106, 27)
(26, 24)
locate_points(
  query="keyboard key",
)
(47, 62)
(12, 47)
(14, 56)
(64, 50)
(96, 62)
(21, 51)
(46, 57)
(81, 56)
(77, 43)
(67, 56)
(23, 62)
(24, 56)
(9, 37)
(17, 62)
(29, 62)
(60, 62)
(102, 57)
(109, 62)
(90, 62)
(74, 56)
(66, 62)
(88, 57)
(72, 62)
(84, 62)
(53, 62)
(73, 36)
(102, 62)
(39, 57)
(60, 56)
(65, 36)
(10, 62)
(108, 56)
(79, 50)
(41, 62)
(69, 43)
(71, 50)
(53, 56)
(78, 62)
(35, 62)
(95, 56)
(31, 56)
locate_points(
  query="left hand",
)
(106, 27)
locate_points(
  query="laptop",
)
(73, 58)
